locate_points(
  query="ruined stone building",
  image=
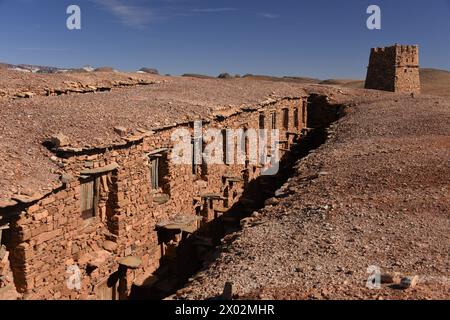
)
(394, 69)
(89, 191)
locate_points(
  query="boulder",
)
(59, 140)
(121, 131)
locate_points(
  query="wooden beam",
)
(157, 152)
(110, 167)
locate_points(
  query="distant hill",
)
(433, 81)
(196, 75)
(305, 80)
(284, 79)
(30, 68)
(349, 83)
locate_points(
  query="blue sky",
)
(321, 38)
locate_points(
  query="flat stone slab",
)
(212, 196)
(180, 222)
(161, 199)
(233, 178)
(131, 262)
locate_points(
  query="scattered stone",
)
(110, 246)
(271, 202)
(26, 94)
(281, 193)
(60, 140)
(121, 131)
(66, 178)
(246, 222)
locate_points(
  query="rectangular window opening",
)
(286, 119)
(197, 148)
(225, 147)
(154, 172)
(158, 166)
(274, 120)
(296, 122)
(262, 120)
(4, 236)
(304, 110)
(89, 197)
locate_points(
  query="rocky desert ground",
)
(374, 197)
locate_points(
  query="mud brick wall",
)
(51, 234)
(394, 69)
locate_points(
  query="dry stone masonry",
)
(122, 210)
(394, 69)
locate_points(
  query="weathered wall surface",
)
(52, 235)
(394, 69)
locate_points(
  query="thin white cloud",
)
(212, 10)
(129, 14)
(268, 15)
(42, 49)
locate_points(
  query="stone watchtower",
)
(394, 68)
